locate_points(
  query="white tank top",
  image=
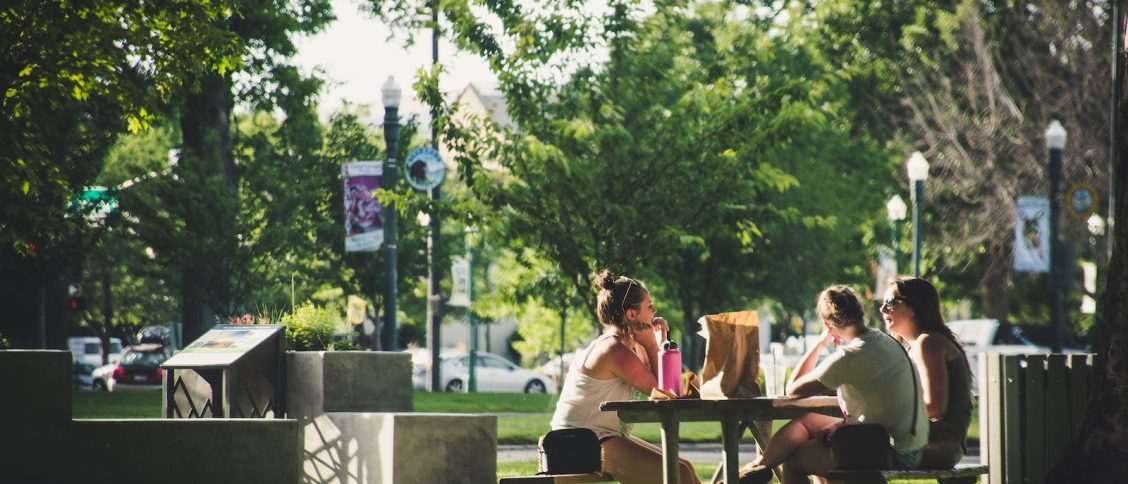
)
(578, 406)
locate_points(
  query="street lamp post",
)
(917, 168)
(1055, 141)
(473, 379)
(432, 330)
(897, 209)
(391, 93)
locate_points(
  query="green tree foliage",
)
(196, 214)
(73, 75)
(974, 84)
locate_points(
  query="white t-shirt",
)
(875, 383)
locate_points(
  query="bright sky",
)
(356, 58)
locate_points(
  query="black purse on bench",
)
(569, 451)
(869, 447)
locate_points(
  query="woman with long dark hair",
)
(911, 311)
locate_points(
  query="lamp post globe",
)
(1055, 142)
(1096, 224)
(391, 94)
(917, 169)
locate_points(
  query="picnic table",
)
(733, 415)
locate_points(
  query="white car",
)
(494, 373)
(980, 336)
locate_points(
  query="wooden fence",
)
(1030, 407)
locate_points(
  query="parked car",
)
(138, 369)
(551, 368)
(980, 336)
(82, 375)
(88, 349)
(494, 373)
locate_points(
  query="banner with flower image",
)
(1032, 234)
(364, 223)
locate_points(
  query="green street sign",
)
(93, 202)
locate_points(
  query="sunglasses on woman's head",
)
(891, 303)
(623, 303)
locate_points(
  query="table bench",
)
(961, 474)
(556, 479)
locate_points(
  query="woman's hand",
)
(647, 334)
(827, 337)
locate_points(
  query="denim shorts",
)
(907, 460)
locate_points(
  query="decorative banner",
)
(1032, 234)
(460, 278)
(425, 169)
(363, 221)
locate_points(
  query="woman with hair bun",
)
(876, 384)
(623, 357)
(911, 311)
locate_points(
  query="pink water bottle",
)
(669, 368)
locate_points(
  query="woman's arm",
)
(802, 383)
(639, 371)
(929, 353)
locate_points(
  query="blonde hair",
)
(839, 305)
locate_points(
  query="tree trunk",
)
(1100, 452)
(996, 281)
(206, 267)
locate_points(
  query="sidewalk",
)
(692, 452)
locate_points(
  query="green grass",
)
(484, 402)
(131, 404)
(522, 419)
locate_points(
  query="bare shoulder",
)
(937, 345)
(606, 355)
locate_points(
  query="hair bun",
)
(605, 280)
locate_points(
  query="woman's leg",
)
(810, 457)
(797, 432)
(631, 460)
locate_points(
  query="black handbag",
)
(862, 447)
(867, 447)
(569, 451)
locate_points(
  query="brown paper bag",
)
(732, 355)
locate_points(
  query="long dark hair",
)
(922, 297)
(616, 295)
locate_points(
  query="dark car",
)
(138, 369)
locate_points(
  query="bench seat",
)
(963, 473)
(556, 479)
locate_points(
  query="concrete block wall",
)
(35, 402)
(354, 410)
(401, 448)
(174, 451)
(347, 381)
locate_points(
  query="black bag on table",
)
(569, 451)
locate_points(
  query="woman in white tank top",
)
(618, 360)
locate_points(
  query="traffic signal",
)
(76, 303)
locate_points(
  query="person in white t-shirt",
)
(875, 383)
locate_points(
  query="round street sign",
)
(425, 169)
(1081, 200)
